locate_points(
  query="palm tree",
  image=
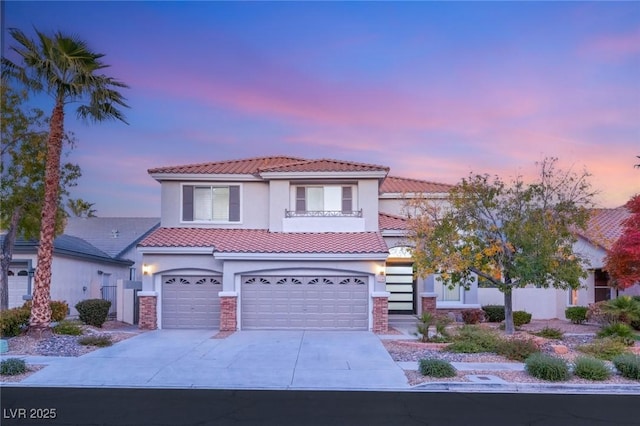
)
(66, 69)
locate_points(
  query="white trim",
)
(428, 294)
(324, 175)
(380, 294)
(393, 233)
(456, 305)
(300, 256)
(402, 195)
(147, 293)
(176, 250)
(228, 294)
(204, 177)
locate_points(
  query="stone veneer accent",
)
(428, 303)
(148, 313)
(228, 313)
(380, 314)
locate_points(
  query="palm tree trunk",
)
(6, 256)
(40, 308)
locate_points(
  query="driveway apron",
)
(245, 360)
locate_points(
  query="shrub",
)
(474, 339)
(595, 313)
(12, 321)
(517, 349)
(624, 309)
(620, 331)
(547, 367)
(628, 365)
(426, 321)
(494, 313)
(100, 341)
(59, 309)
(550, 333)
(473, 316)
(576, 314)
(93, 311)
(12, 366)
(521, 318)
(591, 368)
(70, 328)
(436, 368)
(606, 348)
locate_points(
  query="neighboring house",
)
(603, 229)
(92, 254)
(283, 243)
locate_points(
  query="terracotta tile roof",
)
(391, 222)
(325, 165)
(263, 241)
(396, 184)
(243, 166)
(605, 226)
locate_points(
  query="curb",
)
(526, 388)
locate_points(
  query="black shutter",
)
(187, 203)
(234, 203)
(300, 199)
(347, 199)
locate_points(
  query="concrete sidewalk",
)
(245, 360)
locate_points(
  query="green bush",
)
(521, 318)
(619, 331)
(70, 328)
(494, 313)
(624, 309)
(591, 368)
(440, 322)
(12, 321)
(12, 366)
(100, 341)
(547, 367)
(93, 311)
(59, 309)
(576, 314)
(436, 368)
(517, 349)
(473, 316)
(550, 333)
(606, 348)
(628, 365)
(474, 339)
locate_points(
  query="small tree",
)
(509, 234)
(24, 145)
(622, 261)
(80, 208)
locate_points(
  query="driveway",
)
(245, 360)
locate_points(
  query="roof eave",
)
(369, 174)
(204, 177)
(300, 256)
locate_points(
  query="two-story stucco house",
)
(284, 243)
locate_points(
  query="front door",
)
(402, 287)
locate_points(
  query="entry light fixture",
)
(146, 269)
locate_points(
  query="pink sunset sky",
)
(433, 90)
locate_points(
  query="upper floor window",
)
(324, 200)
(211, 203)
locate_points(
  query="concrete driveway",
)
(245, 360)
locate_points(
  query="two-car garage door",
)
(304, 302)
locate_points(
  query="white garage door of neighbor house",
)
(326, 302)
(18, 281)
(191, 301)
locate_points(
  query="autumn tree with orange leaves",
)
(511, 234)
(623, 260)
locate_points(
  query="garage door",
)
(191, 301)
(18, 282)
(327, 302)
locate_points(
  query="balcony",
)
(323, 221)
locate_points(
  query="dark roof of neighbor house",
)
(605, 226)
(263, 241)
(399, 185)
(391, 222)
(112, 235)
(70, 246)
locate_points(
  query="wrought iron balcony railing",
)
(323, 213)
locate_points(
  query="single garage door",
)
(191, 301)
(18, 283)
(326, 302)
